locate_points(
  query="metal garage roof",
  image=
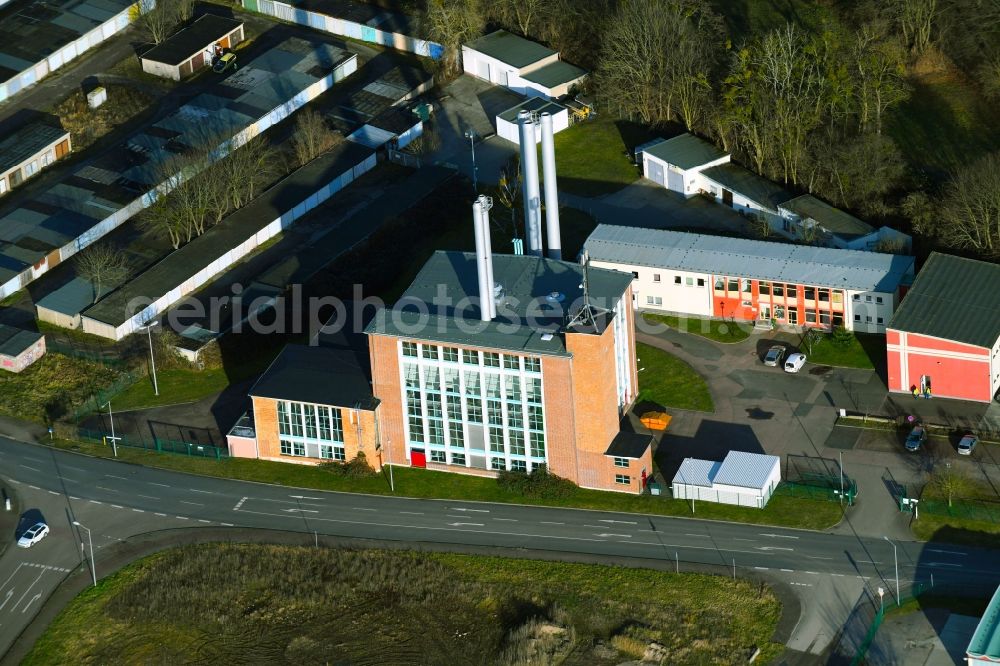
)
(685, 151)
(198, 36)
(758, 189)
(694, 472)
(955, 299)
(985, 641)
(13, 341)
(510, 49)
(832, 219)
(746, 470)
(739, 257)
(26, 142)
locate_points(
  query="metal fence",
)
(981, 510)
(158, 444)
(802, 490)
(97, 401)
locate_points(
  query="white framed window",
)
(438, 456)
(878, 299)
(30, 168)
(677, 279)
(857, 317)
(868, 320)
(458, 459)
(331, 452)
(410, 349)
(857, 297)
(519, 465)
(623, 479)
(656, 277)
(621, 462)
(868, 299)
(290, 448)
(657, 300)
(689, 282)
(879, 320)
(649, 300)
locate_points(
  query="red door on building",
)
(418, 458)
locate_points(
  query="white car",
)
(795, 362)
(33, 535)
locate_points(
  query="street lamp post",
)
(114, 440)
(896, 560)
(152, 358)
(93, 563)
(688, 461)
(471, 136)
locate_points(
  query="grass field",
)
(592, 158)
(176, 386)
(957, 528)
(668, 381)
(51, 387)
(713, 329)
(864, 351)
(278, 604)
(412, 482)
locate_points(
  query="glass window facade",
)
(490, 416)
(318, 426)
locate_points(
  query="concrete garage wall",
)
(345, 28)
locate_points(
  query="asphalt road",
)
(117, 500)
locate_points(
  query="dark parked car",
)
(916, 438)
(774, 355)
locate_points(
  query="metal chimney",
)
(485, 203)
(482, 261)
(551, 191)
(529, 178)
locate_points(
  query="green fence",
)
(889, 603)
(981, 510)
(158, 444)
(815, 491)
(97, 401)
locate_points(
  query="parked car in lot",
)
(916, 438)
(33, 535)
(795, 362)
(774, 355)
(967, 444)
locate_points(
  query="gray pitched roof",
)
(738, 257)
(26, 142)
(198, 36)
(685, 151)
(953, 298)
(13, 341)
(320, 375)
(515, 51)
(760, 190)
(832, 219)
(745, 470)
(527, 311)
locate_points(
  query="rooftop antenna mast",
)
(587, 315)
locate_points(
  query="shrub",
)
(538, 484)
(355, 468)
(841, 337)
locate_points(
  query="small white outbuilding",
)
(507, 123)
(677, 163)
(743, 479)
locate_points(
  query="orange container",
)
(655, 420)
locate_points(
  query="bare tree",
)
(159, 19)
(247, 169)
(102, 265)
(509, 191)
(917, 19)
(521, 15)
(969, 213)
(658, 60)
(950, 481)
(452, 23)
(313, 136)
(880, 69)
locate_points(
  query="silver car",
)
(967, 445)
(774, 355)
(33, 535)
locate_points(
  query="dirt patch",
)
(87, 125)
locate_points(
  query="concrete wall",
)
(25, 358)
(344, 28)
(511, 131)
(532, 89)
(683, 181)
(69, 52)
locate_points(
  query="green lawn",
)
(666, 380)
(176, 386)
(866, 350)
(411, 482)
(958, 528)
(592, 158)
(713, 329)
(254, 603)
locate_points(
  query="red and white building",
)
(945, 338)
(751, 280)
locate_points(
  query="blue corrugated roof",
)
(753, 259)
(986, 639)
(695, 472)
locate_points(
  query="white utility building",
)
(521, 65)
(507, 124)
(677, 163)
(743, 479)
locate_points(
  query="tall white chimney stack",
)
(551, 190)
(529, 179)
(485, 203)
(482, 262)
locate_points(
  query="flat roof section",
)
(953, 298)
(515, 51)
(203, 33)
(319, 375)
(537, 105)
(27, 141)
(685, 151)
(629, 445)
(758, 189)
(832, 219)
(13, 341)
(739, 257)
(537, 295)
(985, 643)
(555, 74)
(32, 31)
